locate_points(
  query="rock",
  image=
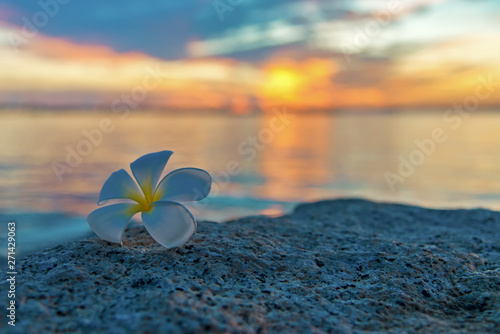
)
(342, 266)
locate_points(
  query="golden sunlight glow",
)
(307, 84)
(283, 82)
(50, 70)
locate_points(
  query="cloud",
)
(163, 29)
(395, 69)
(124, 26)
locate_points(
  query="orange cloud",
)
(48, 68)
(63, 49)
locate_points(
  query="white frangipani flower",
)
(169, 222)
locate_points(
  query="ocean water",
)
(53, 164)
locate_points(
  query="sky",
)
(246, 55)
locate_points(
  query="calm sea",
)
(262, 164)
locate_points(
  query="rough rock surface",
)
(342, 266)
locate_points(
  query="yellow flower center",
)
(146, 207)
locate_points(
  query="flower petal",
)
(120, 185)
(147, 171)
(110, 221)
(184, 185)
(169, 223)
